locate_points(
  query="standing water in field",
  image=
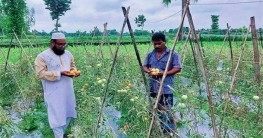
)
(220, 65)
(113, 116)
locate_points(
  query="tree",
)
(167, 2)
(113, 32)
(57, 8)
(14, 12)
(215, 26)
(1, 18)
(140, 21)
(30, 18)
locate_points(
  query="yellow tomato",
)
(72, 72)
(154, 71)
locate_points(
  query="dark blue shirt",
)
(151, 61)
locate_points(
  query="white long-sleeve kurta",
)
(58, 89)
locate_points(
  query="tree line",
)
(16, 17)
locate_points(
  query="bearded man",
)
(53, 67)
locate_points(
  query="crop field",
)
(111, 85)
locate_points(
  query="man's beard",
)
(58, 51)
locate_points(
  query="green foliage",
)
(167, 2)
(126, 93)
(7, 127)
(57, 8)
(30, 18)
(113, 32)
(36, 119)
(8, 89)
(140, 20)
(215, 26)
(14, 12)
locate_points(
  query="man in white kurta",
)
(53, 68)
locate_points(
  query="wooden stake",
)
(203, 69)
(165, 71)
(219, 54)
(182, 54)
(8, 53)
(111, 71)
(135, 48)
(230, 46)
(232, 83)
(255, 48)
(107, 39)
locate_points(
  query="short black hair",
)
(158, 36)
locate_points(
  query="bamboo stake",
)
(14, 78)
(256, 62)
(219, 54)
(9, 49)
(22, 49)
(107, 38)
(255, 49)
(165, 71)
(184, 47)
(101, 44)
(21, 52)
(28, 41)
(97, 30)
(230, 46)
(111, 71)
(201, 42)
(232, 82)
(196, 67)
(92, 39)
(148, 50)
(260, 35)
(136, 50)
(203, 69)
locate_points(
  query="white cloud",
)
(85, 15)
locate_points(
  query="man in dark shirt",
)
(157, 59)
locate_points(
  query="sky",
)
(86, 14)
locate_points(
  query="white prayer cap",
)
(58, 35)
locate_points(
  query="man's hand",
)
(159, 74)
(67, 73)
(77, 74)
